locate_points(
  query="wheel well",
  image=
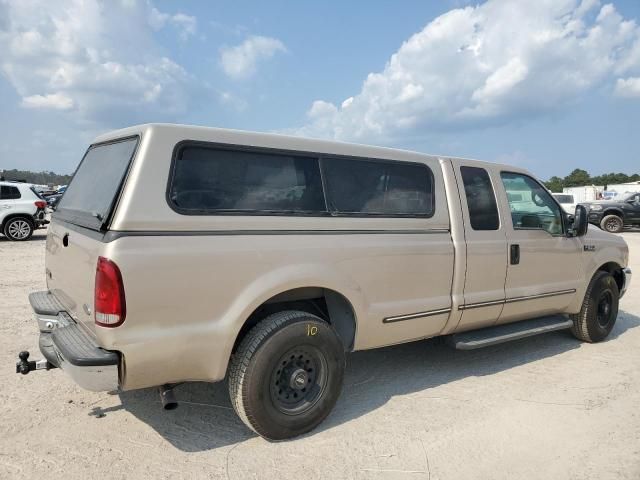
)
(27, 217)
(331, 306)
(615, 270)
(617, 213)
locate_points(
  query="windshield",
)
(92, 192)
(564, 198)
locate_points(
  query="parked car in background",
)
(52, 200)
(22, 210)
(183, 253)
(613, 215)
(566, 201)
(54, 197)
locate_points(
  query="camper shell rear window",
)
(96, 184)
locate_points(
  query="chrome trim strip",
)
(540, 295)
(470, 306)
(411, 316)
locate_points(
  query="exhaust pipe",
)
(167, 397)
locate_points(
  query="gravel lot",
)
(547, 407)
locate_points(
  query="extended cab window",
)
(532, 207)
(93, 190)
(215, 180)
(8, 192)
(481, 201)
(374, 187)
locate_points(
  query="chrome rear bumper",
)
(66, 345)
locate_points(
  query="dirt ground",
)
(547, 407)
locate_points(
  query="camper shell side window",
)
(214, 179)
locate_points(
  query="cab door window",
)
(532, 207)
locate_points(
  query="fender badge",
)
(589, 248)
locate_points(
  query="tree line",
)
(39, 178)
(579, 178)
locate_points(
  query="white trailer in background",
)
(587, 193)
(619, 190)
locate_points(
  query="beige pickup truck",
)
(184, 253)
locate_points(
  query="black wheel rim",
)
(612, 224)
(298, 380)
(605, 308)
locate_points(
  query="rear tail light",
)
(109, 307)
(41, 204)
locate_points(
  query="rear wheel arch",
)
(330, 305)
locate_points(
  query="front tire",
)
(612, 224)
(286, 375)
(599, 309)
(18, 229)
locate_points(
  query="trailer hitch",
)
(25, 366)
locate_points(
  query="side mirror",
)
(580, 222)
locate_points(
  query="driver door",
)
(543, 263)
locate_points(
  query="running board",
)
(487, 337)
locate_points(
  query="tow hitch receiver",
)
(25, 366)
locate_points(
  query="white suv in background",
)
(22, 210)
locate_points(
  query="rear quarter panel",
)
(188, 296)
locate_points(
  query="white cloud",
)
(488, 64)
(96, 59)
(628, 87)
(241, 60)
(186, 24)
(56, 101)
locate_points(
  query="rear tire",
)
(612, 224)
(18, 229)
(599, 309)
(286, 375)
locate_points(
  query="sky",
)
(550, 85)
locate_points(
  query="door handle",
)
(514, 254)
